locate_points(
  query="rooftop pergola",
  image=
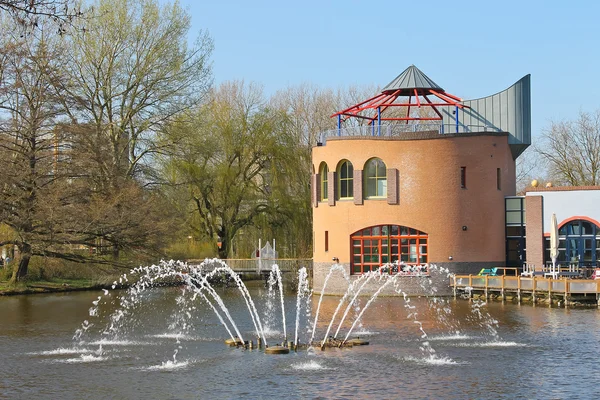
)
(412, 88)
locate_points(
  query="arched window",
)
(377, 245)
(578, 242)
(323, 172)
(346, 180)
(375, 179)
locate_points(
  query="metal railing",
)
(397, 130)
(259, 265)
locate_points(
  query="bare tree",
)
(29, 13)
(29, 108)
(528, 168)
(572, 150)
(134, 72)
(309, 109)
(53, 202)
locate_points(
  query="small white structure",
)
(267, 252)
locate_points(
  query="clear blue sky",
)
(470, 48)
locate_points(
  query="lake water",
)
(534, 352)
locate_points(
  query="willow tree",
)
(228, 158)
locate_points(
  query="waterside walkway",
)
(258, 265)
(532, 289)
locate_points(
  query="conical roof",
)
(411, 78)
(411, 83)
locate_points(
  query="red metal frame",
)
(385, 100)
(402, 249)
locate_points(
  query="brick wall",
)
(331, 188)
(429, 196)
(358, 187)
(392, 186)
(315, 190)
(412, 286)
(534, 217)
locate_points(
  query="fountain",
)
(163, 342)
(196, 282)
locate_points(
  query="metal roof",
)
(412, 84)
(411, 78)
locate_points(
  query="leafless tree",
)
(29, 13)
(53, 202)
(572, 150)
(528, 168)
(29, 109)
(134, 72)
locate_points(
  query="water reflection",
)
(542, 352)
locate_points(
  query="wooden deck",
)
(534, 288)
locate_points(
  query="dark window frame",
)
(499, 178)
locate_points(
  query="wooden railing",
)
(526, 284)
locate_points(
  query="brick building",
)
(420, 176)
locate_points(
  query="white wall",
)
(569, 203)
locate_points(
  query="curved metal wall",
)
(506, 111)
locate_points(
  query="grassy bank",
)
(50, 275)
(50, 286)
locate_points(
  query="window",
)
(346, 180)
(463, 177)
(323, 172)
(498, 178)
(377, 245)
(516, 252)
(578, 242)
(375, 179)
(326, 240)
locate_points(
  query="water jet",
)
(196, 286)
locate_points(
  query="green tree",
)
(232, 157)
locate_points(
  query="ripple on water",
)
(168, 366)
(432, 360)
(176, 336)
(457, 336)
(492, 344)
(109, 342)
(364, 333)
(311, 365)
(62, 351)
(84, 358)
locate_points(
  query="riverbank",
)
(77, 285)
(54, 286)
